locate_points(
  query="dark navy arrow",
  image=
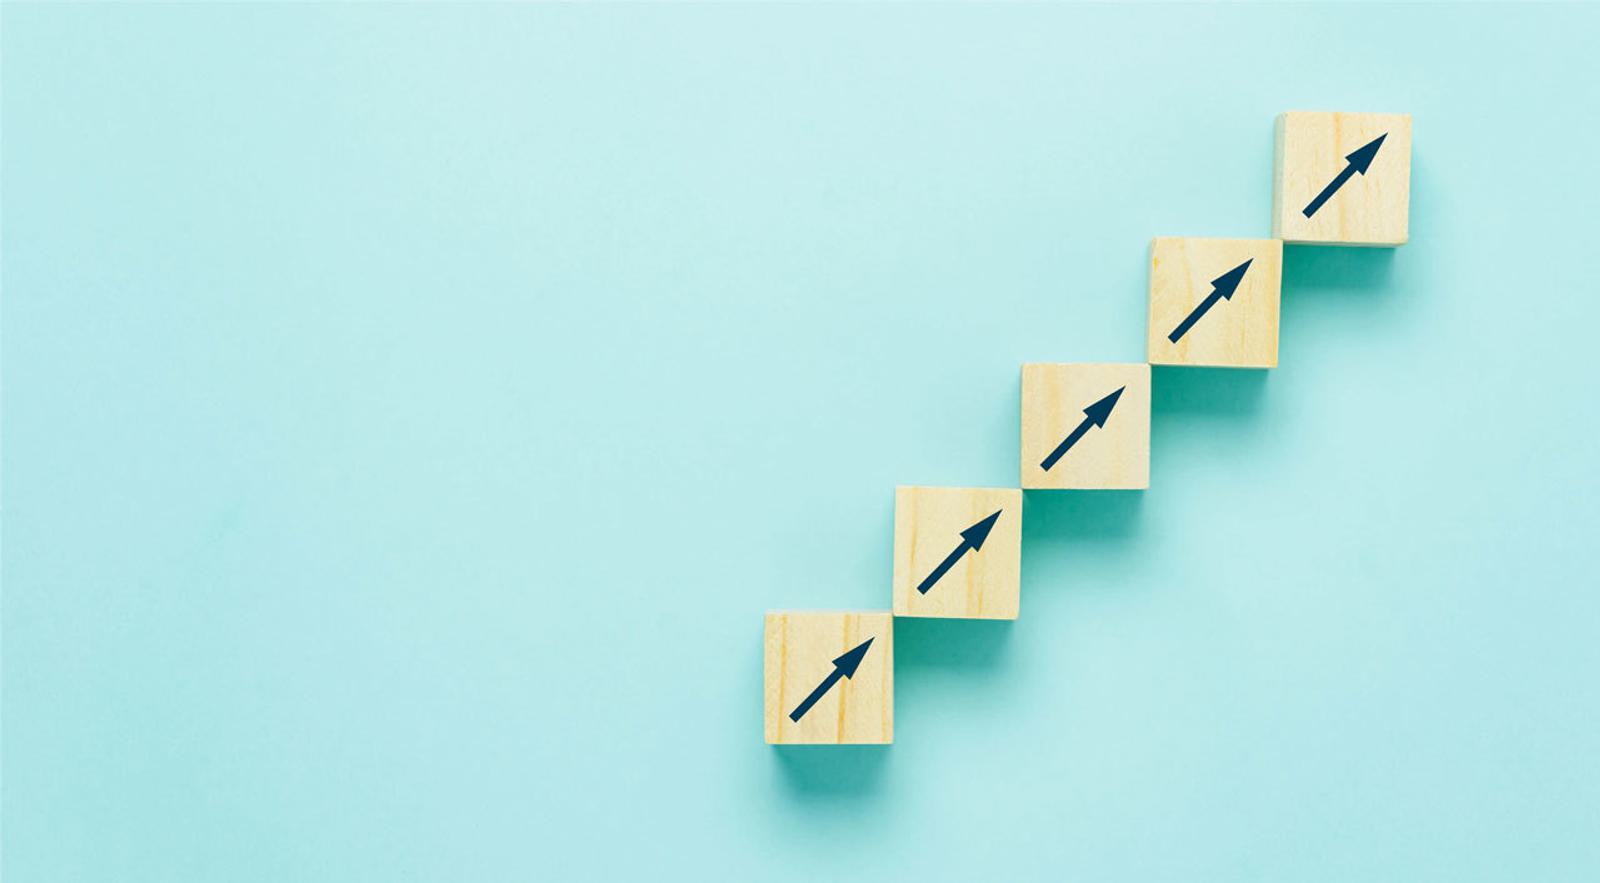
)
(843, 667)
(1221, 287)
(971, 539)
(1359, 161)
(1094, 415)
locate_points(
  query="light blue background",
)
(409, 413)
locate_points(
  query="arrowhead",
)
(1099, 411)
(976, 534)
(1228, 282)
(848, 663)
(1362, 157)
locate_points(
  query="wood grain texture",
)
(1114, 456)
(983, 584)
(1369, 209)
(1240, 332)
(800, 649)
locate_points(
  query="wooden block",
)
(957, 552)
(830, 678)
(1215, 302)
(1086, 426)
(1342, 178)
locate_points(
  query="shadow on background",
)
(1178, 390)
(1088, 516)
(826, 772)
(922, 643)
(1321, 268)
(1325, 282)
(1062, 529)
(950, 667)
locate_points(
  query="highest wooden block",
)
(830, 678)
(1086, 426)
(957, 552)
(1215, 302)
(1342, 178)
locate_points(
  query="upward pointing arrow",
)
(1094, 415)
(843, 667)
(1358, 161)
(1221, 287)
(971, 539)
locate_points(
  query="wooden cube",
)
(1086, 426)
(830, 678)
(1215, 302)
(957, 552)
(1342, 178)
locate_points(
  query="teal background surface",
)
(410, 411)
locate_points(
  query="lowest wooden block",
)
(830, 678)
(957, 552)
(1086, 426)
(1215, 302)
(1342, 178)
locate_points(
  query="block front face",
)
(1205, 310)
(830, 678)
(1336, 183)
(1086, 426)
(957, 552)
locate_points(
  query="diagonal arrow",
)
(1094, 415)
(971, 539)
(1359, 161)
(843, 667)
(1221, 287)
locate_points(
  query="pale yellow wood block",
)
(1239, 331)
(933, 525)
(1368, 209)
(1112, 456)
(801, 649)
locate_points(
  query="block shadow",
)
(823, 773)
(1061, 528)
(926, 643)
(1318, 269)
(1320, 280)
(1206, 413)
(1179, 390)
(949, 667)
(1080, 516)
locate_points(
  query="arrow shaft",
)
(944, 566)
(1328, 191)
(1066, 444)
(1194, 316)
(821, 690)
